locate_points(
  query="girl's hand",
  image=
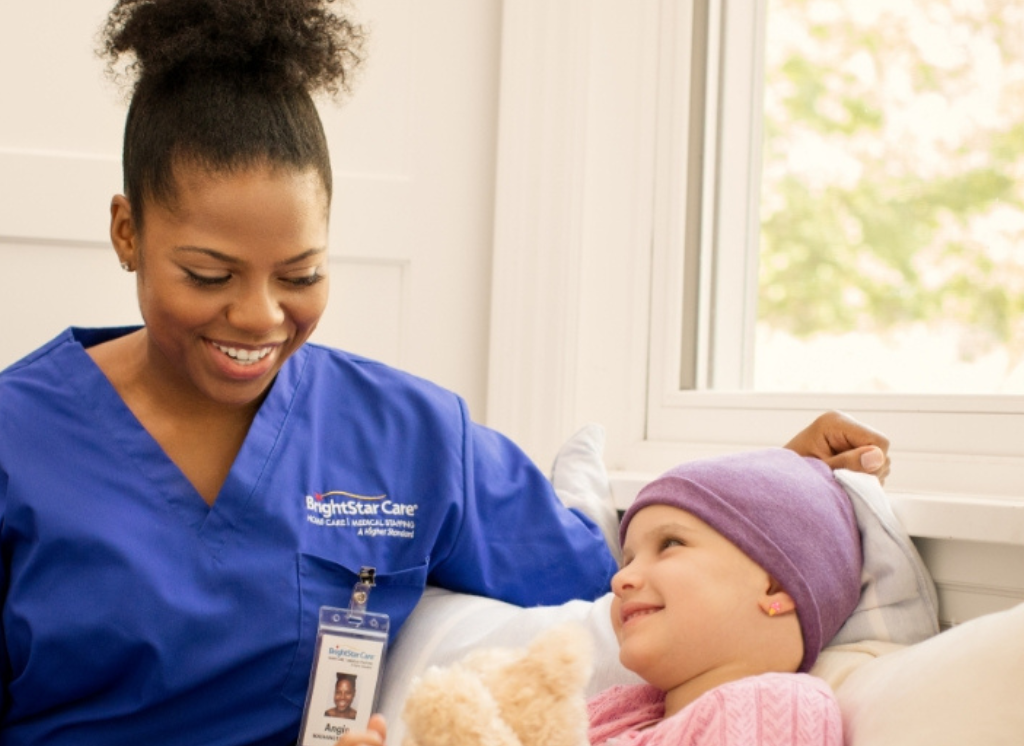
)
(374, 735)
(843, 443)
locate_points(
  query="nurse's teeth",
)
(244, 356)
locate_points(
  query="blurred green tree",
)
(893, 173)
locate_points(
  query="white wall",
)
(413, 152)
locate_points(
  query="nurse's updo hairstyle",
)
(225, 85)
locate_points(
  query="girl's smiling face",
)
(684, 599)
(232, 277)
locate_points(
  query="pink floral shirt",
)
(774, 709)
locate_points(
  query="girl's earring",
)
(126, 266)
(775, 608)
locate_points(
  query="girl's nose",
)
(627, 578)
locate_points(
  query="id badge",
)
(347, 665)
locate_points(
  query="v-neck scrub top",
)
(134, 613)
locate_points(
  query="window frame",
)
(727, 246)
(586, 311)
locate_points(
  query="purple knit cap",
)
(788, 514)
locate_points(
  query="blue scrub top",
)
(135, 613)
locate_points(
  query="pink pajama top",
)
(774, 709)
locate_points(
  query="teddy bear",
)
(532, 696)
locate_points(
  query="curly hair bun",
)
(283, 43)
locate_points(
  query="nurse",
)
(178, 500)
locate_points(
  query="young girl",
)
(736, 571)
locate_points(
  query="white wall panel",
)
(57, 196)
(55, 93)
(414, 149)
(368, 312)
(974, 578)
(46, 287)
(572, 228)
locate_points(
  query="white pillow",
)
(445, 626)
(898, 602)
(837, 662)
(580, 480)
(964, 686)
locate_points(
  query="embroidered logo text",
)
(367, 515)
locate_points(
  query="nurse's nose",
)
(257, 310)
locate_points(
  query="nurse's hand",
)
(374, 735)
(843, 443)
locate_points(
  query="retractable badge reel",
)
(347, 667)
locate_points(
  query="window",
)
(713, 385)
(892, 197)
(627, 215)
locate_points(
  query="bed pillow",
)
(581, 482)
(898, 602)
(837, 662)
(446, 626)
(960, 687)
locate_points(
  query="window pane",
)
(892, 205)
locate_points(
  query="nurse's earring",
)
(122, 232)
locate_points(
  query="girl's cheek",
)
(614, 615)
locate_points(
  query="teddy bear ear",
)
(447, 701)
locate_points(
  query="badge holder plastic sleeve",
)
(348, 663)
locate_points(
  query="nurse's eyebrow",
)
(227, 258)
(303, 256)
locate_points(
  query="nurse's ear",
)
(123, 234)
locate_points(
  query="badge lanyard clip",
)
(361, 590)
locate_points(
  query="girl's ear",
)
(122, 232)
(776, 601)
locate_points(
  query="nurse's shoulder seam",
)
(413, 381)
(39, 353)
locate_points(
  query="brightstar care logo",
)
(370, 515)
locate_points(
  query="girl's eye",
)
(668, 543)
(206, 281)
